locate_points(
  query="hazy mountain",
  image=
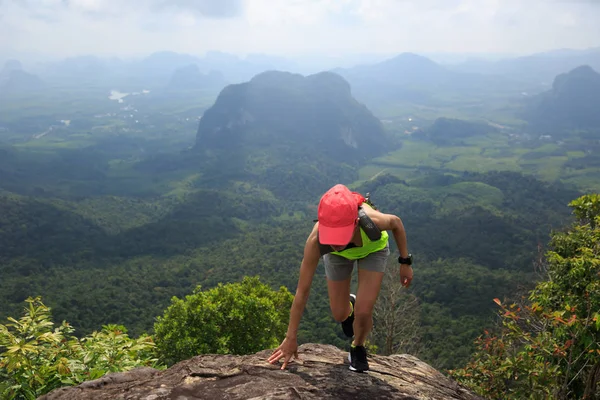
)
(233, 68)
(74, 70)
(152, 71)
(287, 122)
(404, 69)
(539, 68)
(164, 63)
(414, 78)
(572, 103)
(87, 71)
(161, 65)
(22, 81)
(190, 78)
(13, 79)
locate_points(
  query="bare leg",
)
(369, 284)
(339, 295)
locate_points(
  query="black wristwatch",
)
(408, 260)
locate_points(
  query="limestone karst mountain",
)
(316, 113)
(572, 103)
(289, 133)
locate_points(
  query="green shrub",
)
(235, 318)
(550, 346)
(36, 358)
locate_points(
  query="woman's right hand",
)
(287, 349)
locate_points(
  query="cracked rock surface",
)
(321, 373)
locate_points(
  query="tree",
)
(550, 346)
(235, 318)
(35, 359)
(396, 316)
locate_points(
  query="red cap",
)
(338, 213)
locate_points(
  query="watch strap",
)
(407, 260)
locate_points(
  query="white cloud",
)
(69, 27)
(87, 5)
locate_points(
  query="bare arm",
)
(289, 346)
(307, 272)
(390, 222)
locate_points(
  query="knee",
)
(362, 315)
(340, 314)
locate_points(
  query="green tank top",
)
(368, 247)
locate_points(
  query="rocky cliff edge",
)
(320, 373)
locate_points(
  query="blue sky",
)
(295, 27)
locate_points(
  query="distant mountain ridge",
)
(540, 67)
(157, 68)
(413, 78)
(190, 78)
(404, 77)
(406, 68)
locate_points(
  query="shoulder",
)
(313, 238)
(382, 220)
(370, 211)
(314, 234)
(312, 247)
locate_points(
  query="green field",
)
(493, 152)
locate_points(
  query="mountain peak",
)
(281, 128)
(283, 108)
(572, 103)
(319, 81)
(411, 63)
(584, 71)
(581, 79)
(320, 373)
(268, 78)
(17, 80)
(412, 57)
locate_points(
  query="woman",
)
(342, 240)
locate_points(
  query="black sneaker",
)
(358, 359)
(347, 324)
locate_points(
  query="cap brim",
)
(339, 236)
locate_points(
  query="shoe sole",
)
(354, 369)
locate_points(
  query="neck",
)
(356, 238)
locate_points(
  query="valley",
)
(112, 206)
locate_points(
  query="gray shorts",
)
(338, 268)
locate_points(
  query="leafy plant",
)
(36, 358)
(549, 347)
(234, 318)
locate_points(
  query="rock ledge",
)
(321, 373)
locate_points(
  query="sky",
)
(62, 28)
